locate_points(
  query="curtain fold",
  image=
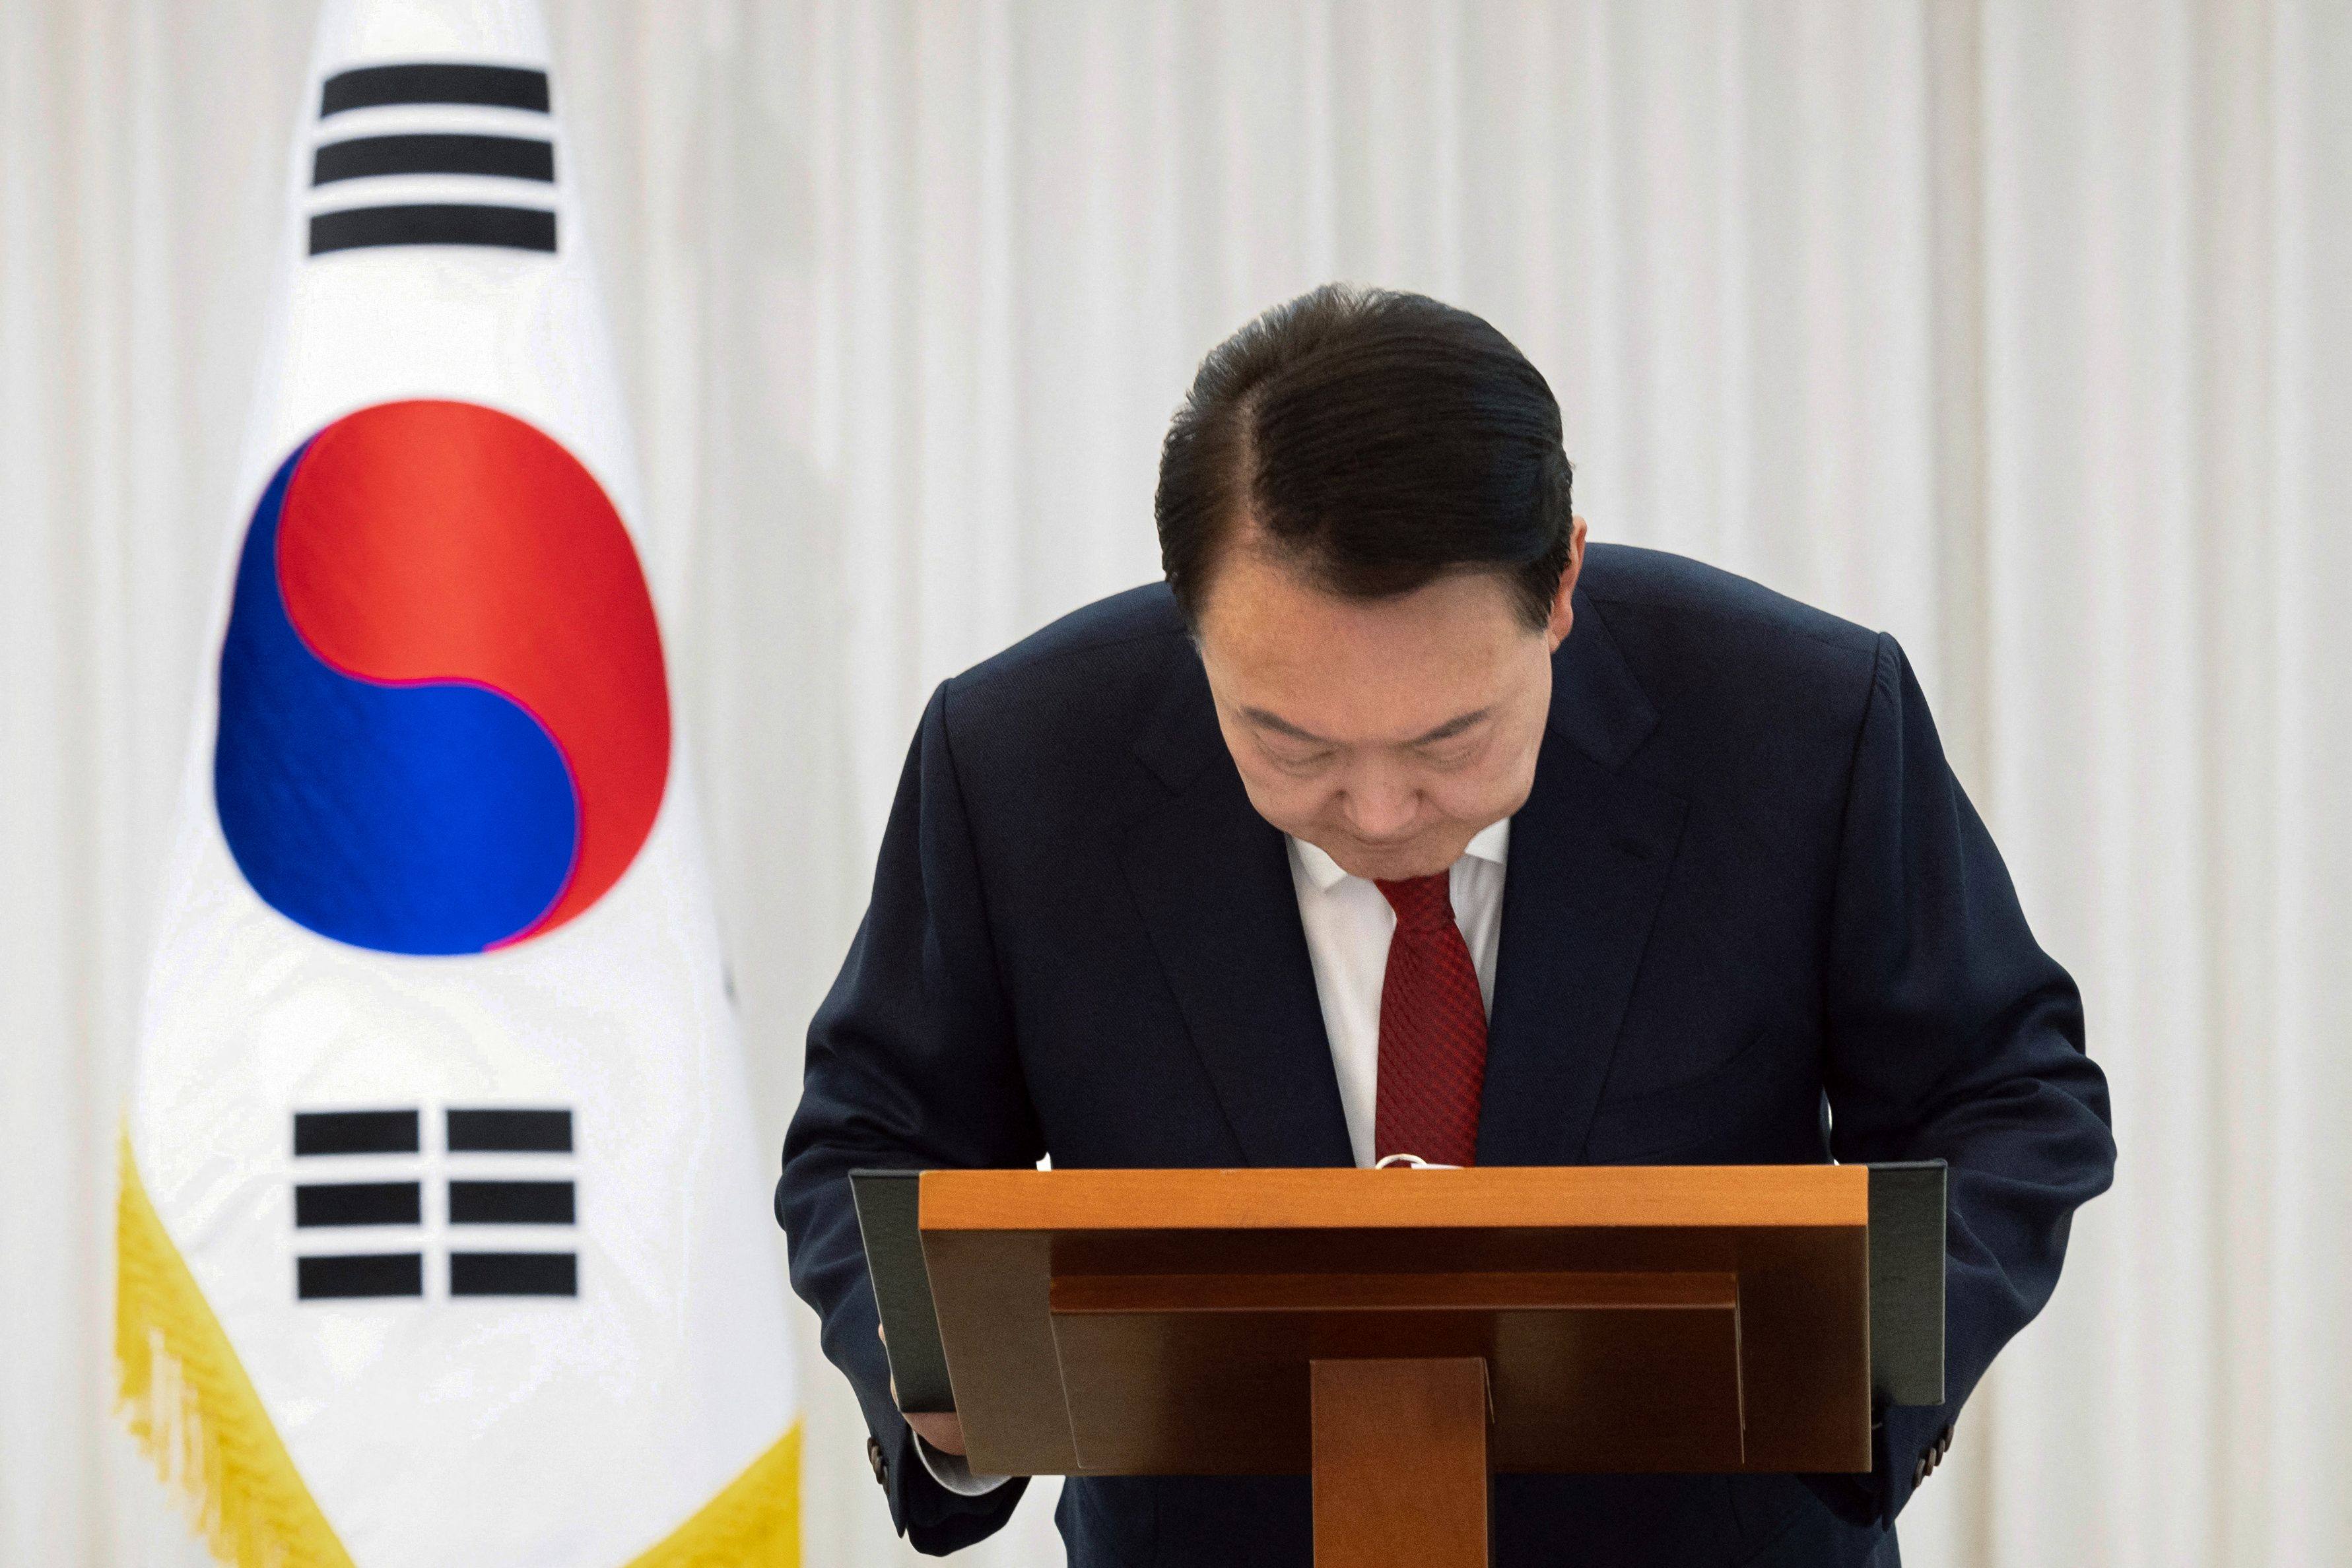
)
(2019, 330)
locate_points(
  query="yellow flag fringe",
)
(197, 1415)
(195, 1411)
(754, 1523)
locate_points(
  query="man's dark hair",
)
(1379, 440)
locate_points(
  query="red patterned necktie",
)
(1433, 1032)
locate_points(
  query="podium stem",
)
(1401, 1463)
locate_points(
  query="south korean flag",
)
(442, 1235)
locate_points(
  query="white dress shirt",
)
(1349, 924)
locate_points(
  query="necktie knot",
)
(1422, 903)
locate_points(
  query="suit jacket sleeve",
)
(1952, 1035)
(910, 1065)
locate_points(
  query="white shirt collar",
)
(1493, 843)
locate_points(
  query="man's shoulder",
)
(1733, 670)
(1137, 628)
(1676, 596)
(1074, 693)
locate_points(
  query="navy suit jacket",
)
(1749, 918)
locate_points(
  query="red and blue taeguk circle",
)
(444, 718)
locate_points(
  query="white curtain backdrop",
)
(2020, 330)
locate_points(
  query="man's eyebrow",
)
(1281, 725)
(1451, 728)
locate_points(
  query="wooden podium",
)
(1401, 1334)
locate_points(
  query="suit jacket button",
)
(1919, 1473)
(881, 1466)
(1944, 1440)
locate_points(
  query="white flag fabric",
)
(442, 1233)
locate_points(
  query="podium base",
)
(1401, 1463)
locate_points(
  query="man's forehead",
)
(1264, 587)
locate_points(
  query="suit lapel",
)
(1590, 855)
(1212, 880)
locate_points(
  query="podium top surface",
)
(1489, 1197)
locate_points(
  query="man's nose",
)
(1379, 809)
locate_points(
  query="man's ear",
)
(1563, 612)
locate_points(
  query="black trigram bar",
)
(357, 1203)
(514, 1274)
(364, 228)
(354, 1133)
(504, 1131)
(508, 157)
(369, 87)
(348, 1275)
(510, 1203)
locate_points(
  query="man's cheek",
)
(1465, 800)
(1279, 800)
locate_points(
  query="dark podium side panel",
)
(1111, 1323)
